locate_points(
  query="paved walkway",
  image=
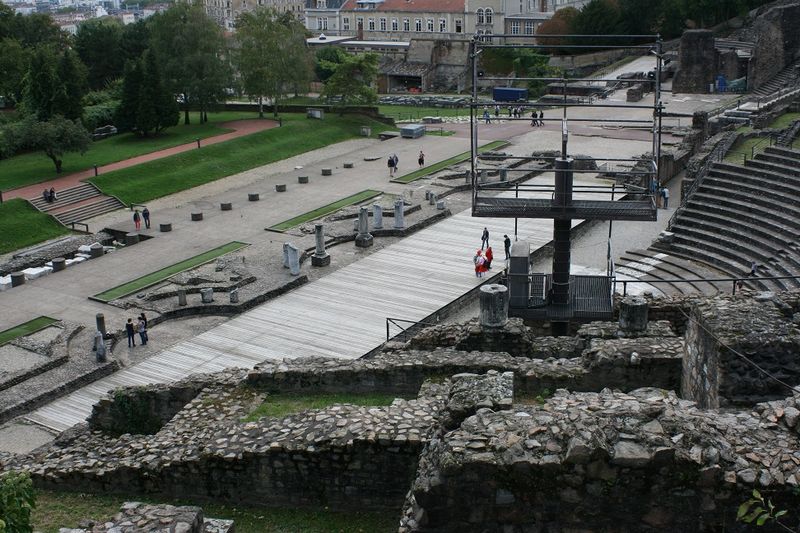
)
(240, 128)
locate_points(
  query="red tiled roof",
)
(411, 6)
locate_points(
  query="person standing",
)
(541, 118)
(143, 318)
(665, 196)
(486, 118)
(534, 122)
(130, 332)
(489, 255)
(421, 159)
(478, 260)
(485, 238)
(390, 164)
(507, 246)
(142, 329)
(146, 217)
(53, 196)
(496, 111)
(137, 220)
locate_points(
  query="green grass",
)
(25, 328)
(66, 509)
(25, 169)
(436, 167)
(784, 121)
(22, 225)
(440, 132)
(160, 275)
(325, 210)
(746, 147)
(280, 405)
(177, 173)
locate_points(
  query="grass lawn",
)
(784, 121)
(748, 147)
(436, 167)
(441, 132)
(177, 173)
(160, 275)
(60, 509)
(22, 225)
(26, 169)
(25, 328)
(325, 210)
(280, 405)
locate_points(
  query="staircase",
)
(739, 214)
(788, 77)
(78, 203)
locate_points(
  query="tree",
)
(41, 83)
(13, 65)
(17, 499)
(134, 41)
(147, 105)
(125, 118)
(271, 55)
(351, 82)
(54, 137)
(329, 55)
(561, 24)
(72, 75)
(99, 45)
(191, 47)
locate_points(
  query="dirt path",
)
(240, 129)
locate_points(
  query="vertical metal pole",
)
(659, 107)
(561, 242)
(473, 126)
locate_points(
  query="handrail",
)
(395, 322)
(734, 281)
(72, 225)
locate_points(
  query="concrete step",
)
(733, 210)
(681, 269)
(783, 152)
(783, 186)
(781, 169)
(66, 197)
(86, 211)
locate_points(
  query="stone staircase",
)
(788, 77)
(739, 214)
(78, 203)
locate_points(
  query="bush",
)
(17, 499)
(98, 115)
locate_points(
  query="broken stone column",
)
(432, 199)
(377, 216)
(519, 269)
(207, 295)
(131, 239)
(181, 296)
(17, 279)
(633, 314)
(286, 255)
(234, 296)
(320, 257)
(364, 238)
(96, 250)
(293, 256)
(100, 322)
(399, 223)
(59, 264)
(99, 347)
(494, 305)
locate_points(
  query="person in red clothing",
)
(489, 256)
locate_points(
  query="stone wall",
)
(777, 38)
(644, 461)
(698, 62)
(136, 517)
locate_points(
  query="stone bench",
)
(302, 179)
(226, 206)
(196, 217)
(59, 264)
(165, 227)
(347, 164)
(281, 187)
(386, 135)
(252, 197)
(327, 172)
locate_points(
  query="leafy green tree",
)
(99, 45)
(54, 137)
(72, 75)
(191, 48)
(37, 29)
(13, 65)
(271, 55)
(17, 499)
(156, 108)
(562, 23)
(329, 55)
(125, 118)
(352, 79)
(134, 41)
(41, 83)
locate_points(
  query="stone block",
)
(226, 206)
(234, 296)
(181, 297)
(59, 264)
(440, 205)
(302, 179)
(366, 131)
(96, 250)
(327, 172)
(252, 197)
(131, 239)
(207, 295)
(17, 279)
(281, 187)
(494, 305)
(347, 164)
(196, 217)
(633, 314)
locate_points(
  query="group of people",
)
(392, 163)
(49, 196)
(139, 327)
(483, 259)
(537, 119)
(138, 217)
(660, 193)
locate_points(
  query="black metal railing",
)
(736, 283)
(85, 226)
(405, 332)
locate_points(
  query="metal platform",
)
(590, 298)
(499, 207)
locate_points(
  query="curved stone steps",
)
(76, 194)
(770, 175)
(785, 151)
(777, 159)
(775, 167)
(787, 188)
(106, 204)
(730, 209)
(662, 266)
(746, 203)
(750, 196)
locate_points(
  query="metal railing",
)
(85, 226)
(735, 282)
(404, 331)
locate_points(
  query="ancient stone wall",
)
(698, 62)
(777, 38)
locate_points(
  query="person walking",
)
(753, 269)
(421, 159)
(665, 196)
(130, 332)
(489, 255)
(541, 118)
(479, 263)
(534, 122)
(486, 118)
(390, 163)
(142, 329)
(143, 318)
(146, 217)
(137, 220)
(507, 246)
(496, 111)
(485, 238)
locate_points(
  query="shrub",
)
(17, 499)
(101, 114)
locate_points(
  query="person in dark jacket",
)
(130, 331)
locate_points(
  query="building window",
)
(529, 27)
(406, 25)
(322, 23)
(487, 36)
(371, 24)
(395, 26)
(346, 23)
(488, 13)
(442, 25)
(479, 14)
(383, 23)
(430, 24)
(322, 4)
(417, 24)
(514, 27)
(359, 23)
(459, 26)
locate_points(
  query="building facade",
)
(225, 12)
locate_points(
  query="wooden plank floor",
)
(340, 315)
